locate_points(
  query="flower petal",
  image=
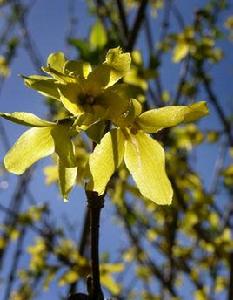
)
(115, 66)
(156, 119)
(56, 61)
(44, 85)
(144, 157)
(119, 64)
(33, 145)
(59, 76)
(26, 119)
(98, 79)
(69, 97)
(105, 159)
(127, 119)
(63, 145)
(115, 100)
(96, 131)
(77, 68)
(67, 179)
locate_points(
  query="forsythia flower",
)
(83, 89)
(143, 156)
(92, 96)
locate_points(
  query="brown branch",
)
(121, 10)
(137, 25)
(13, 271)
(82, 245)
(213, 99)
(230, 294)
(95, 204)
(183, 76)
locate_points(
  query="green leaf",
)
(119, 63)
(56, 61)
(105, 159)
(33, 145)
(156, 119)
(63, 145)
(26, 119)
(67, 179)
(144, 157)
(44, 85)
(98, 36)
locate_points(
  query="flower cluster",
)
(96, 102)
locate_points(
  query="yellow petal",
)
(98, 79)
(144, 157)
(196, 111)
(69, 97)
(26, 119)
(33, 145)
(56, 61)
(119, 62)
(59, 76)
(156, 119)
(77, 68)
(67, 179)
(115, 66)
(128, 117)
(43, 85)
(115, 100)
(105, 159)
(63, 145)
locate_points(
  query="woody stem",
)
(95, 204)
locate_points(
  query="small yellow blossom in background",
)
(4, 68)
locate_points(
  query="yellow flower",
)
(84, 89)
(143, 156)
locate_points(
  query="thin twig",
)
(14, 266)
(137, 25)
(123, 19)
(213, 99)
(230, 294)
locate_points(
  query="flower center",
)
(86, 99)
